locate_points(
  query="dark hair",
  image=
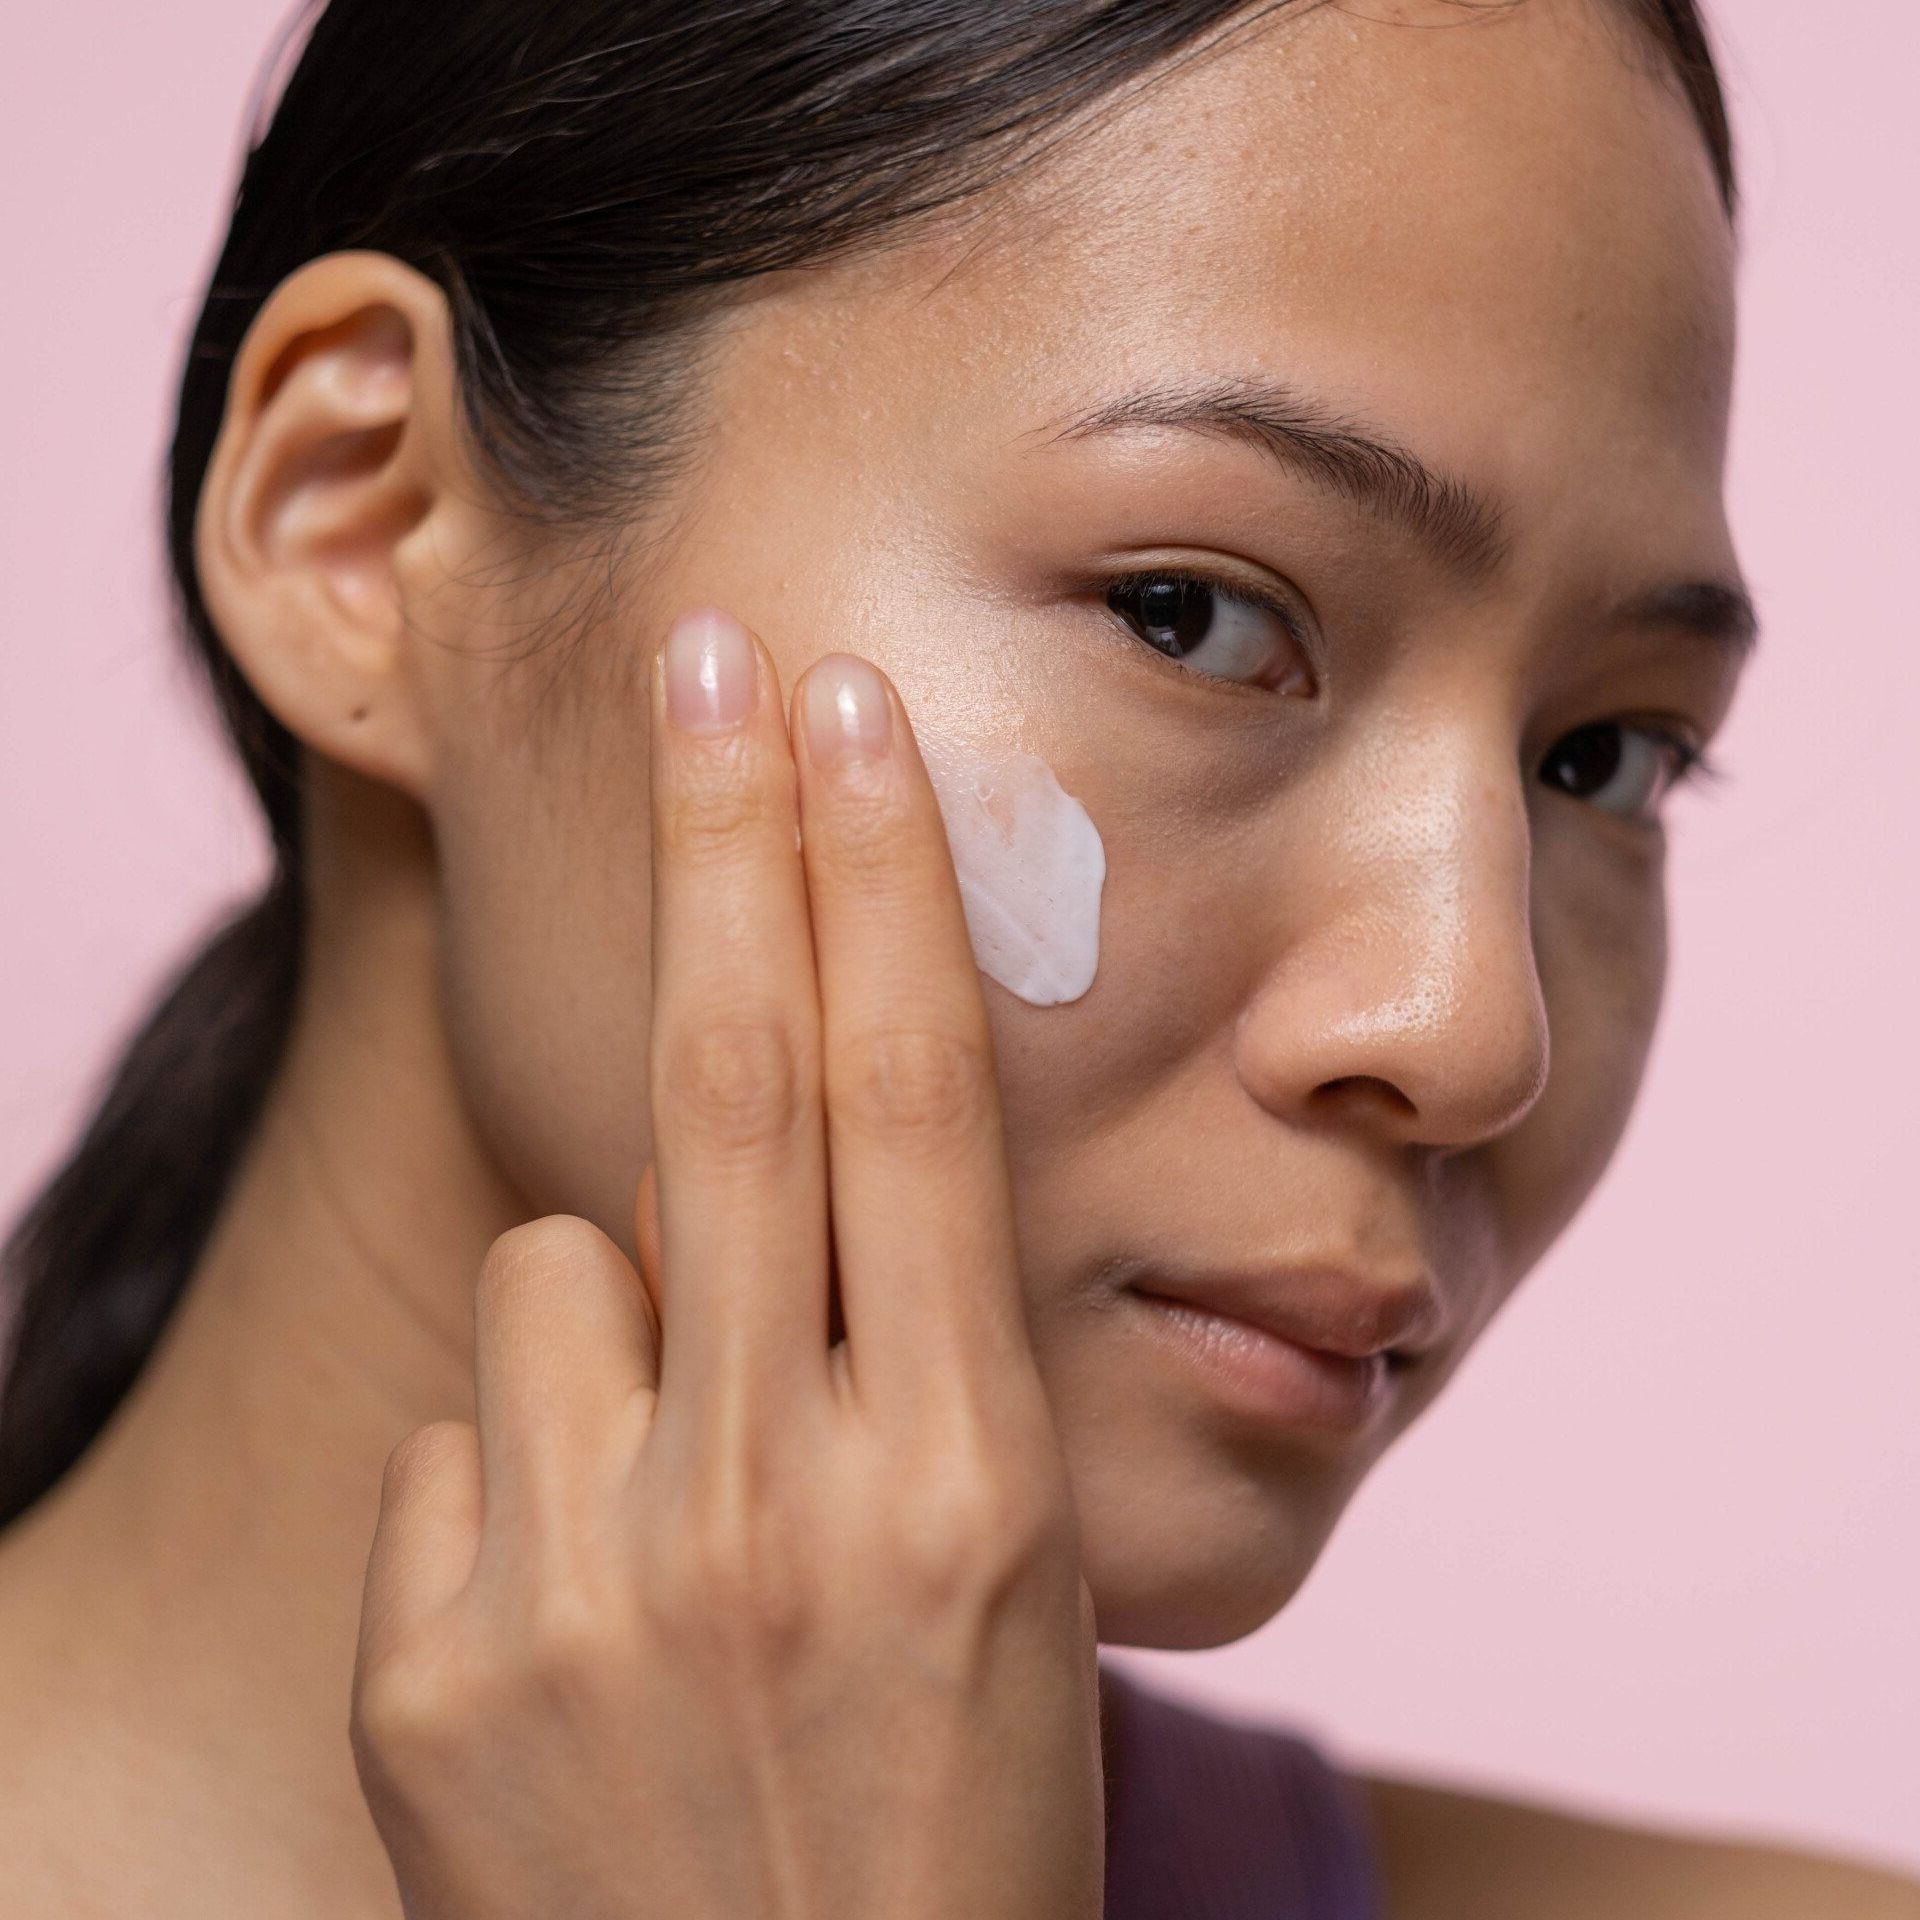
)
(583, 179)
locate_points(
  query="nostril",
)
(1349, 1087)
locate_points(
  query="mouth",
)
(1315, 1349)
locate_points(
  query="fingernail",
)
(711, 682)
(847, 709)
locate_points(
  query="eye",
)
(1621, 768)
(1212, 629)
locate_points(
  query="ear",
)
(337, 449)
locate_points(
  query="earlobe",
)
(335, 448)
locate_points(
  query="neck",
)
(209, 1548)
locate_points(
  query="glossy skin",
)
(1371, 991)
(1344, 934)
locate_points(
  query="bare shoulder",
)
(1452, 1855)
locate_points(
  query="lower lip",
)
(1271, 1379)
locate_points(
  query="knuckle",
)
(538, 1254)
(718, 804)
(423, 1454)
(967, 1536)
(409, 1707)
(736, 1084)
(863, 838)
(924, 1083)
(573, 1644)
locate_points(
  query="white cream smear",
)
(1031, 866)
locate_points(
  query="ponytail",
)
(99, 1261)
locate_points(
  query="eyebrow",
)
(1464, 528)
(1719, 612)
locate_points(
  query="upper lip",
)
(1333, 1308)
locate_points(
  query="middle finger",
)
(922, 1208)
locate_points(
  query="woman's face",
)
(1382, 940)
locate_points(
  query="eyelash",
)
(1692, 765)
(1238, 591)
(1219, 584)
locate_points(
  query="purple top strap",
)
(1214, 1820)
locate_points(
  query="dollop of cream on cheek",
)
(1031, 867)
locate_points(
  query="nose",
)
(1404, 988)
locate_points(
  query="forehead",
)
(1494, 226)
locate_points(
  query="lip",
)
(1332, 1309)
(1311, 1347)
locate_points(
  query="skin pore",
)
(1372, 992)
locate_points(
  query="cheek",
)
(1600, 936)
(1096, 1088)
(544, 956)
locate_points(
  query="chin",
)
(1213, 1573)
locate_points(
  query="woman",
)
(949, 698)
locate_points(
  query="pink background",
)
(1659, 1549)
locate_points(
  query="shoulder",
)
(1451, 1855)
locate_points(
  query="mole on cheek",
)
(1031, 867)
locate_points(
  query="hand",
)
(708, 1619)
